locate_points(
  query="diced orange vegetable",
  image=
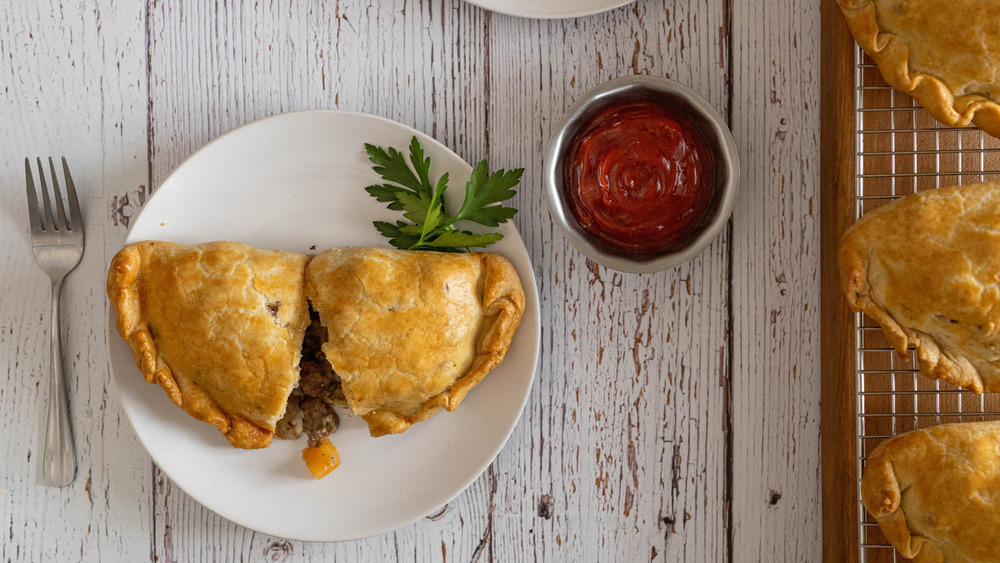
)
(321, 459)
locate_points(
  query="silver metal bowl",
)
(681, 99)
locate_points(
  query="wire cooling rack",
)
(902, 150)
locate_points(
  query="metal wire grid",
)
(902, 150)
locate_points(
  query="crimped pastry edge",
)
(123, 292)
(503, 303)
(892, 54)
(932, 358)
(882, 495)
(883, 487)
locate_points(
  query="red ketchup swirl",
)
(639, 178)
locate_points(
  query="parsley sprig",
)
(430, 226)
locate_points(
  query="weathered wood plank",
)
(776, 323)
(219, 66)
(622, 452)
(74, 83)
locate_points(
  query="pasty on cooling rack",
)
(936, 492)
(944, 54)
(412, 332)
(927, 268)
(219, 326)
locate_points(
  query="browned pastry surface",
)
(936, 492)
(927, 268)
(412, 332)
(218, 325)
(944, 54)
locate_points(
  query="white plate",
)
(294, 182)
(549, 9)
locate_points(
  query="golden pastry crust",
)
(945, 55)
(218, 325)
(412, 332)
(936, 492)
(927, 268)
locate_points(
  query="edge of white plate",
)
(554, 14)
(531, 289)
(166, 181)
(111, 333)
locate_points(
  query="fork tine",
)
(29, 180)
(75, 217)
(49, 221)
(60, 206)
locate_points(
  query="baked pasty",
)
(219, 326)
(936, 492)
(926, 267)
(944, 54)
(228, 332)
(412, 332)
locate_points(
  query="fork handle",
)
(58, 457)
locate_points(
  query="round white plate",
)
(296, 182)
(550, 9)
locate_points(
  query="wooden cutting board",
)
(837, 393)
(877, 145)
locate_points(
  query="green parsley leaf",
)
(414, 207)
(391, 166)
(431, 227)
(386, 193)
(484, 189)
(396, 234)
(421, 163)
(464, 239)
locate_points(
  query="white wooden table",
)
(674, 417)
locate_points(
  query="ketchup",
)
(638, 178)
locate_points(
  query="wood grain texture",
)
(839, 422)
(625, 425)
(416, 63)
(662, 420)
(674, 415)
(73, 79)
(776, 318)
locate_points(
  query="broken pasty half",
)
(946, 54)
(935, 493)
(391, 335)
(219, 326)
(927, 268)
(411, 332)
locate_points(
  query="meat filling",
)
(310, 406)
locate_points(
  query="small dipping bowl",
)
(676, 98)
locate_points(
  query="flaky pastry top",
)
(944, 54)
(936, 492)
(218, 325)
(927, 268)
(412, 332)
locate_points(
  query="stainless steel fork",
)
(57, 242)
